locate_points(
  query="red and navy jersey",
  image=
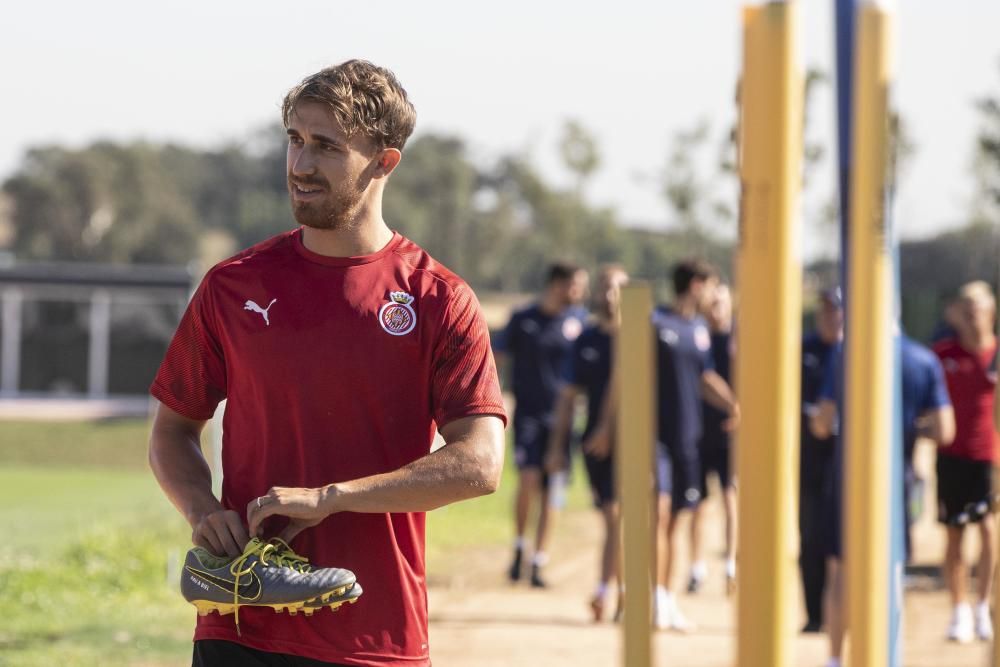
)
(972, 384)
(684, 348)
(590, 369)
(539, 346)
(334, 368)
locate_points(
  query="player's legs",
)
(600, 473)
(954, 569)
(530, 441)
(686, 495)
(987, 564)
(553, 494)
(729, 499)
(834, 612)
(529, 488)
(610, 553)
(699, 570)
(552, 487)
(963, 489)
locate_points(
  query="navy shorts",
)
(531, 440)
(679, 475)
(715, 457)
(601, 473)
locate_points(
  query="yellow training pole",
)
(869, 352)
(634, 381)
(770, 333)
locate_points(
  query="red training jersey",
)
(972, 383)
(333, 369)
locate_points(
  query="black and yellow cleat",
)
(267, 574)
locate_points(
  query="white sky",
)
(502, 75)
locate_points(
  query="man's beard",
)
(338, 210)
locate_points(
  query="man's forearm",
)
(717, 392)
(464, 468)
(183, 473)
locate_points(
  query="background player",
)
(965, 469)
(537, 343)
(589, 374)
(816, 455)
(716, 454)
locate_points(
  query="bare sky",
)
(503, 75)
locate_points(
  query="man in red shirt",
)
(341, 347)
(965, 468)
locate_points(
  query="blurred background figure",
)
(927, 413)
(965, 468)
(685, 376)
(715, 450)
(816, 454)
(589, 374)
(537, 343)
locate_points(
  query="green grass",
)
(87, 535)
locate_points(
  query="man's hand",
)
(304, 507)
(598, 444)
(733, 421)
(221, 532)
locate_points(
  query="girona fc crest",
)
(397, 316)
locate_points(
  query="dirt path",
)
(478, 620)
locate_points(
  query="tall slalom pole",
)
(767, 365)
(869, 348)
(634, 361)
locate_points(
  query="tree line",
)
(497, 225)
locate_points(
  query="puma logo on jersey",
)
(252, 305)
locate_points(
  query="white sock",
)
(833, 662)
(540, 559)
(519, 543)
(731, 568)
(983, 607)
(602, 591)
(699, 570)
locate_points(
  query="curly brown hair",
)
(362, 97)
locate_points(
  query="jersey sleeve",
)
(465, 381)
(937, 394)
(192, 379)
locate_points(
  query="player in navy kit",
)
(537, 342)
(816, 455)
(685, 375)
(926, 412)
(589, 373)
(716, 455)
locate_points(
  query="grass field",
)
(87, 537)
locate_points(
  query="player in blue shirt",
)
(685, 375)
(926, 412)
(589, 373)
(716, 454)
(537, 342)
(816, 455)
